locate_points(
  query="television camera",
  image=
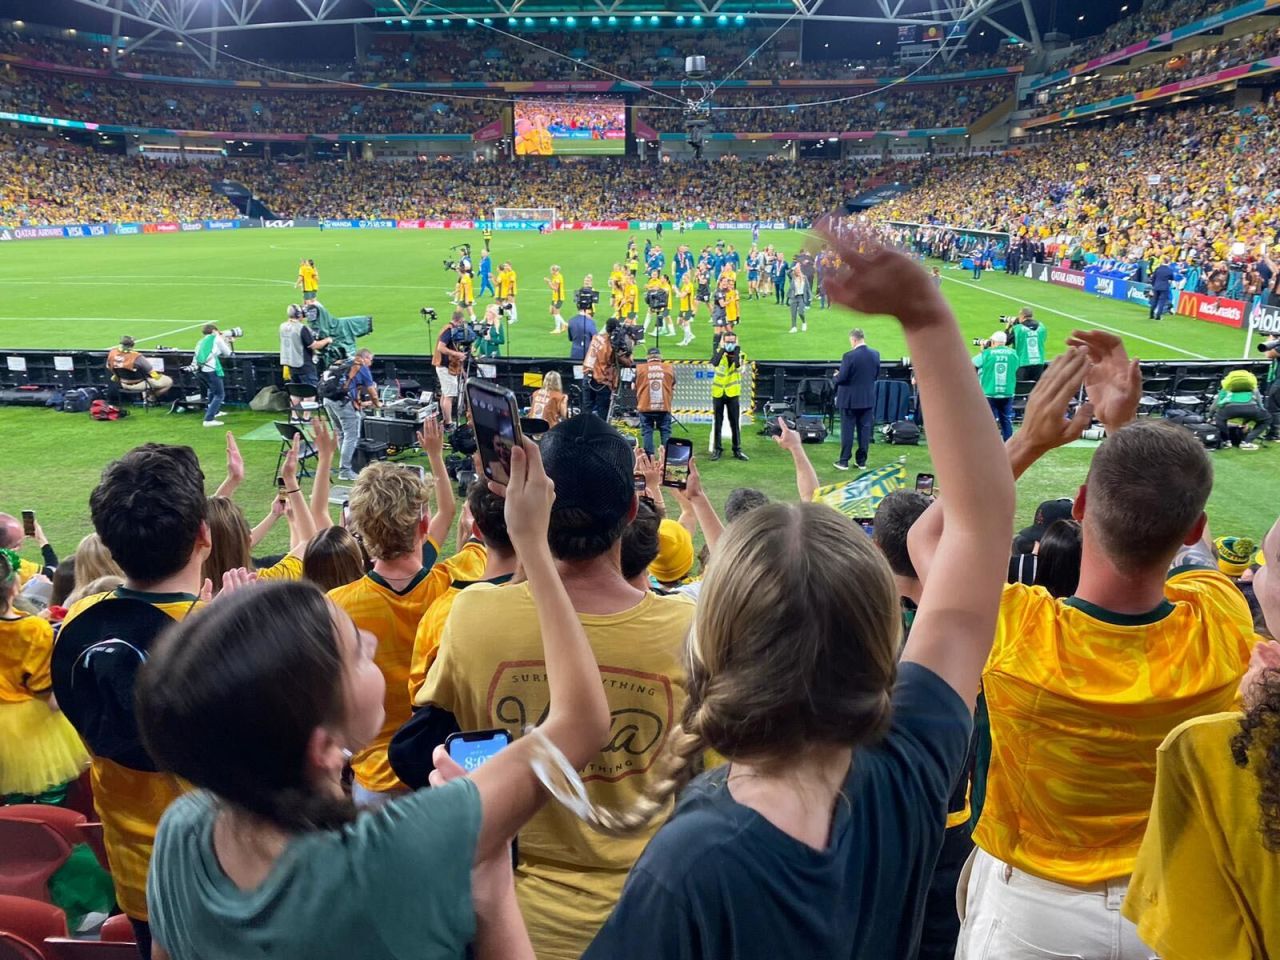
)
(586, 299)
(1267, 345)
(624, 340)
(696, 92)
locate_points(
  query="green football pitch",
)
(161, 289)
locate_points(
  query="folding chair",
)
(309, 398)
(1155, 396)
(306, 449)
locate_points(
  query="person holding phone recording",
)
(14, 531)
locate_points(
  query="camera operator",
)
(132, 372)
(725, 390)
(657, 299)
(608, 352)
(997, 367)
(1239, 399)
(344, 412)
(581, 329)
(452, 349)
(213, 346)
(1029, 336)
(655, 388)
(298, 348)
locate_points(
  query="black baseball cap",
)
(592, 466)
(1048, 512)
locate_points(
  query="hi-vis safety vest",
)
(728, 379)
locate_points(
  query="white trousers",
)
(1007, 914)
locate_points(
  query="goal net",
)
(545, 215)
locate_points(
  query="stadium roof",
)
(197, 17)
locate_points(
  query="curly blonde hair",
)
(783, 657)
(387, 503)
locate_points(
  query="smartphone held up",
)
(495, 417)
(675, 463)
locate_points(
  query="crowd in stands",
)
(901, 107)
(593, 189)
(1154, 17)
(187, 108)
(477, 54)
(782, 759)
(52, 182)
(1191, 187)
(1191, 63)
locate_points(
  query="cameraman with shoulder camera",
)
(657, 299)
(997, 367)
(1029, 336)
(452, 349)
(655, 389)
(608, 352)
(213, 346)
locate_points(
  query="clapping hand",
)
(1113, 381)
(326, 445)
(1044, 423)
(874, 278)
(650, 468)
(431, 438)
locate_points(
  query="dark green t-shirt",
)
(393, 885)
(720, 882)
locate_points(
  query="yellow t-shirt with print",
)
(392, 616)
(490, 672)
(130, 802)
(1203, 885)
(1077, 701)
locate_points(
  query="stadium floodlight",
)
(555, 19)
(404, 23)
(488, 21)
(569, 21)
(739, 19)
(613, 21)
(431, 21)
(653, 21)
(528, 21)
(637, 20)
(595, 21)
(511, 21)
(697, 20)
(471, 21)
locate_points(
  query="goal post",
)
(545, 215)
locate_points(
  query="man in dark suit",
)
(1161, 294)
(856, 397)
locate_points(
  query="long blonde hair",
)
(783, 657)
(230, 540)
(94, 560)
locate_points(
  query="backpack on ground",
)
(101, 410)
(270, 399)
(79, 400)
(902, 433)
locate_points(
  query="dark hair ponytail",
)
(230, 697)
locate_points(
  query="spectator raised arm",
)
(955, 622)
(431, 439)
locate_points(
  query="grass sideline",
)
(53, 460)
(86, 293)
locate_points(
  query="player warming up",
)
(556, 284)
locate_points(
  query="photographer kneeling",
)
(608, 352)
(1239, 399)
(655, 388)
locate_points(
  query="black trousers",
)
(731, 406)
(1250, 412)
(861, 419)
(142, 936)
(1273, 399)
(597, 396)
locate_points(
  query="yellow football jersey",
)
(131, 802)
(1077, 701)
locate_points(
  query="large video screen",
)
(557, 126)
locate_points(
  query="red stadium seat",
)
(26, 923)
(66, 822)
(117, 929)
(80, 796)
(30, 853)
(13, 947)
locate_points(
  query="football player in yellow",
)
(555, 283)
(686, 306)
(628, 303)
(464, 293)
(531, 141)
(507, 290)
(616, 276)
(308, 280)
(732, 300)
